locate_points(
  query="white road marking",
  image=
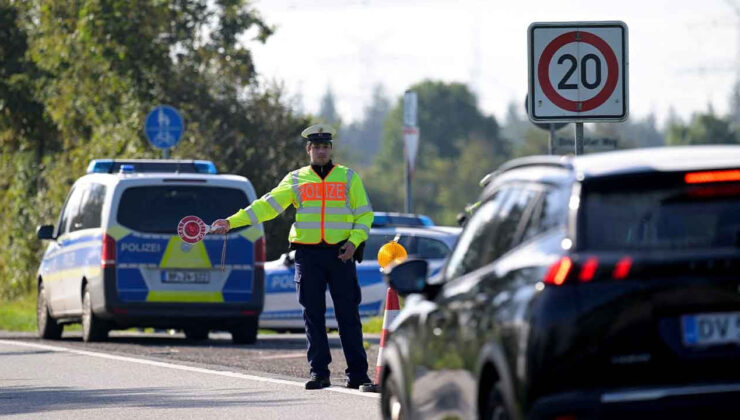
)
(283, 356)
(182, 367)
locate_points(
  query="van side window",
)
(90, 209)
(70, 207)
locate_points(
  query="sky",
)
(683, 54)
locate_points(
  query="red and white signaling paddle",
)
(192, 229)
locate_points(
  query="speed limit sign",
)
(578, 71)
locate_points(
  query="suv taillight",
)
(108, 256)
(559, 271)
(563, 270)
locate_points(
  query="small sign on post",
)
(410, 140)
(164, 127)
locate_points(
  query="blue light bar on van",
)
(100, 166)
(126, 169)
(205, 166)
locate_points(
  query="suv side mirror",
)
(45, 232)
(408, 277)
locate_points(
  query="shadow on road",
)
(28, 400)
(266, 342)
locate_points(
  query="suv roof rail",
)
(110, 166)
(563, 162)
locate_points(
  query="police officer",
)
(333, 217)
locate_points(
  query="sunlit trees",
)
(78, 78)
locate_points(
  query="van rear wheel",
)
(93, 328)
(245, 332)
(47, 326)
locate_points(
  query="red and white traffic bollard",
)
(391, 311)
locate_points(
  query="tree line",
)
(78, 78)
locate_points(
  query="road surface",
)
(46, 379)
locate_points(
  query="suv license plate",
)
(709, 329)
(186, 277)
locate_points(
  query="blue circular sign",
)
(164, 127)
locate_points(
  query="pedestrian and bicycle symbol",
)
(164, 127)
(578, 71)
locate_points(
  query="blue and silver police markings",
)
(164, 127)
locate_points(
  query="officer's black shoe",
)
(317, 382)
(355, 384)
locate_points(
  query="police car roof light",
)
(100, 166)
(126, 169)
(205, 167)
(109, 166)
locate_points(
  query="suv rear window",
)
(158, 209)
(653, 215)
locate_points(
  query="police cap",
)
(319, 133)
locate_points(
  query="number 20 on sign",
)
(578, 71)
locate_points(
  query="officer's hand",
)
(346, 251)
(220, 226)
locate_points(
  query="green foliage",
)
(703, 129)
(458, 145)
(360, 140)
(373, 325)
(77, 79)
(18, 315)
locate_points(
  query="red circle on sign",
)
(191, 229)
(612, 66)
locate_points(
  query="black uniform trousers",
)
(315, 268)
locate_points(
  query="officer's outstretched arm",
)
(363, 212)
(266, 207)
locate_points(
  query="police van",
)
(114, 259)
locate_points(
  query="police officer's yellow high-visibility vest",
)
(332, 209)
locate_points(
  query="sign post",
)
(577, 73)
(410, 141)
(164, 127)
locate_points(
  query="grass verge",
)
(373, 325)
(18, 315)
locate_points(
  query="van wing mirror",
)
(408, 277)
(45, 232)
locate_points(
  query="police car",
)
(114, 259)
(282, 310)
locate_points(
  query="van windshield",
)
(158, 209)
(659, 217)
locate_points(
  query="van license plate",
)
(186, 277)
(709, 329)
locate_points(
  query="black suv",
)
(600, 286)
